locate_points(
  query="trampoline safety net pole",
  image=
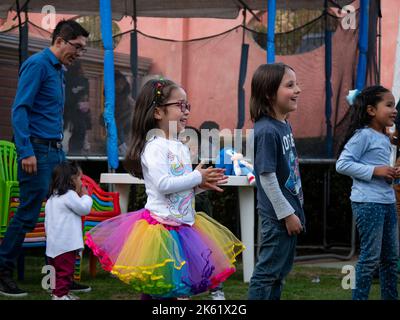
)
(271, 31)
(362, 45)
(109, 90)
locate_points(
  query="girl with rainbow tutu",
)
(166, 250)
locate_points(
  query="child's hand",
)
(78, 189)
(210, 186)
(214, 186)
(397, 175)
(210, 174)
(293, 224)
(211, 177)
(386, 172)
(84, 190)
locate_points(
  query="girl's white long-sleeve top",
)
(63, 222)
(170, 181)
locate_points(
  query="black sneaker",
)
(78, 287)
(9, 288)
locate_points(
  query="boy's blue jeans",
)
(379, 247)
(275, 260)
(33, 190)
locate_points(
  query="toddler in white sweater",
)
(68, 202)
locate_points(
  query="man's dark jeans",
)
(275, 260)
(33, 190)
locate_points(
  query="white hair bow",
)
(351, 97)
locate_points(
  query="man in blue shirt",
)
(37, 120)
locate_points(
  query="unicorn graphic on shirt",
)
(182, 202)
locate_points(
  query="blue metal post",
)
(328, 85)
(271, 31)
(362, 44)
(109, 87)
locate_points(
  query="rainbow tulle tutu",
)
(162, 260)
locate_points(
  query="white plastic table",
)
(122, 182)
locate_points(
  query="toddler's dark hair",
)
(61, 178)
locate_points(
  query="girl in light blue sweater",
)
(365, 157)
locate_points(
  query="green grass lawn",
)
(299, 284)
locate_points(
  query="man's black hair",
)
(68, 30)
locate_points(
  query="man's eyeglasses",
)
(181, 104)
(77, 47)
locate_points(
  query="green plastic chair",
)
(8, 181)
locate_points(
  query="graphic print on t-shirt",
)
(293, 183)
(182, 202)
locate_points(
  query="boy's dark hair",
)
(68, 30)
(196, 131)
(264, 87)
(61, 178)
(198, 136)
(154, 93)
(359, 117)
(209, 125)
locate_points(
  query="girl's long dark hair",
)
(61, 178)
(359, 117)
(264, 87)
(153, 94)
